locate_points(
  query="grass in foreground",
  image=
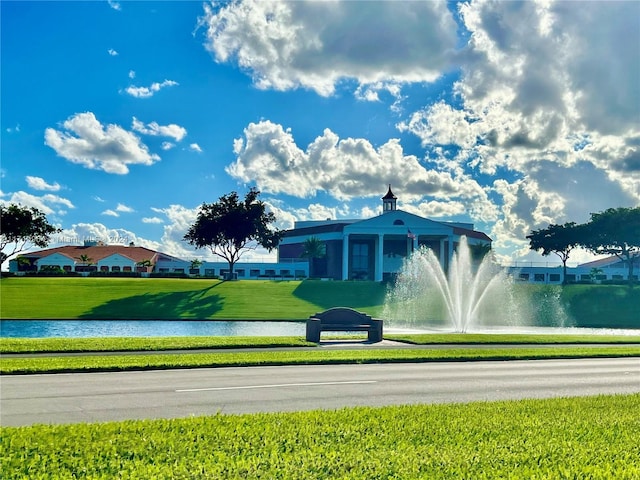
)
(97, 363)
(124, 344)
(592, 437)
(503, 339)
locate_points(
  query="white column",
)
(379, 258)
(345, 257)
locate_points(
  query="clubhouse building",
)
(374, 248)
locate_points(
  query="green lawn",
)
(145, 298)
(567, 438)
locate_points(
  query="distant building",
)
(98, 258)
(374, 248)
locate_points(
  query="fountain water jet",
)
(469, 297)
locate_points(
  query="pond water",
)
(147, 328)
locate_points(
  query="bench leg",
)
(374, 335)
(313, 331)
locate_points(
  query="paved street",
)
(92, 397)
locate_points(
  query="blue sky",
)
(118, 119)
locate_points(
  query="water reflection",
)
(147, 328)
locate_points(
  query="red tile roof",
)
(98, 252)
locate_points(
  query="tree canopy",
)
(232, 226)
(557, 239)
(616, 231)
(23, 227)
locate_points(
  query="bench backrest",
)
(343, 315)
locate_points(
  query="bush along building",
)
(374, 248)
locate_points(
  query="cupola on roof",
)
(389, 201)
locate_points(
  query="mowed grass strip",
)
(121, 362)
(508, 339)
(149, 298)
(124, 344)
(568, 438)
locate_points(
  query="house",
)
(92, 256)
(374, 248)
(97, 257)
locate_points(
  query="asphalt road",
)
(97, 397)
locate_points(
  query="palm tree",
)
(313, 248)
(194, 266)
(144, 265)
(86, 261)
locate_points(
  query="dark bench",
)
(343, 319)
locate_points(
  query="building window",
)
(240, 272)
(524, 277)
(254, 272)
(398, 222)
(104, 268)
(554, 277)
(115, 268)
(270, 273)
(209, 272)
(360, 260)
(126, 269)
(285, 273)
(538, 277)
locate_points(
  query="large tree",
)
(616, 231)
(232, 226)
(22, 228)
(557, 239)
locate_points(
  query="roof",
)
(389, 195)
(327, 228)
(98, 252)
(471, 233)
(607, 262)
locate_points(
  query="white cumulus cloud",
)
(315, 45)
(154, 129)
(85, 141)
(146, 92)
(38, 183)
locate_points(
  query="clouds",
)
(315, 45)
(38, 183)
(150, 91)
(87, 142)
(344, 168)
(47, 204)
(172, 130)
(112, 149)
(121, 208)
